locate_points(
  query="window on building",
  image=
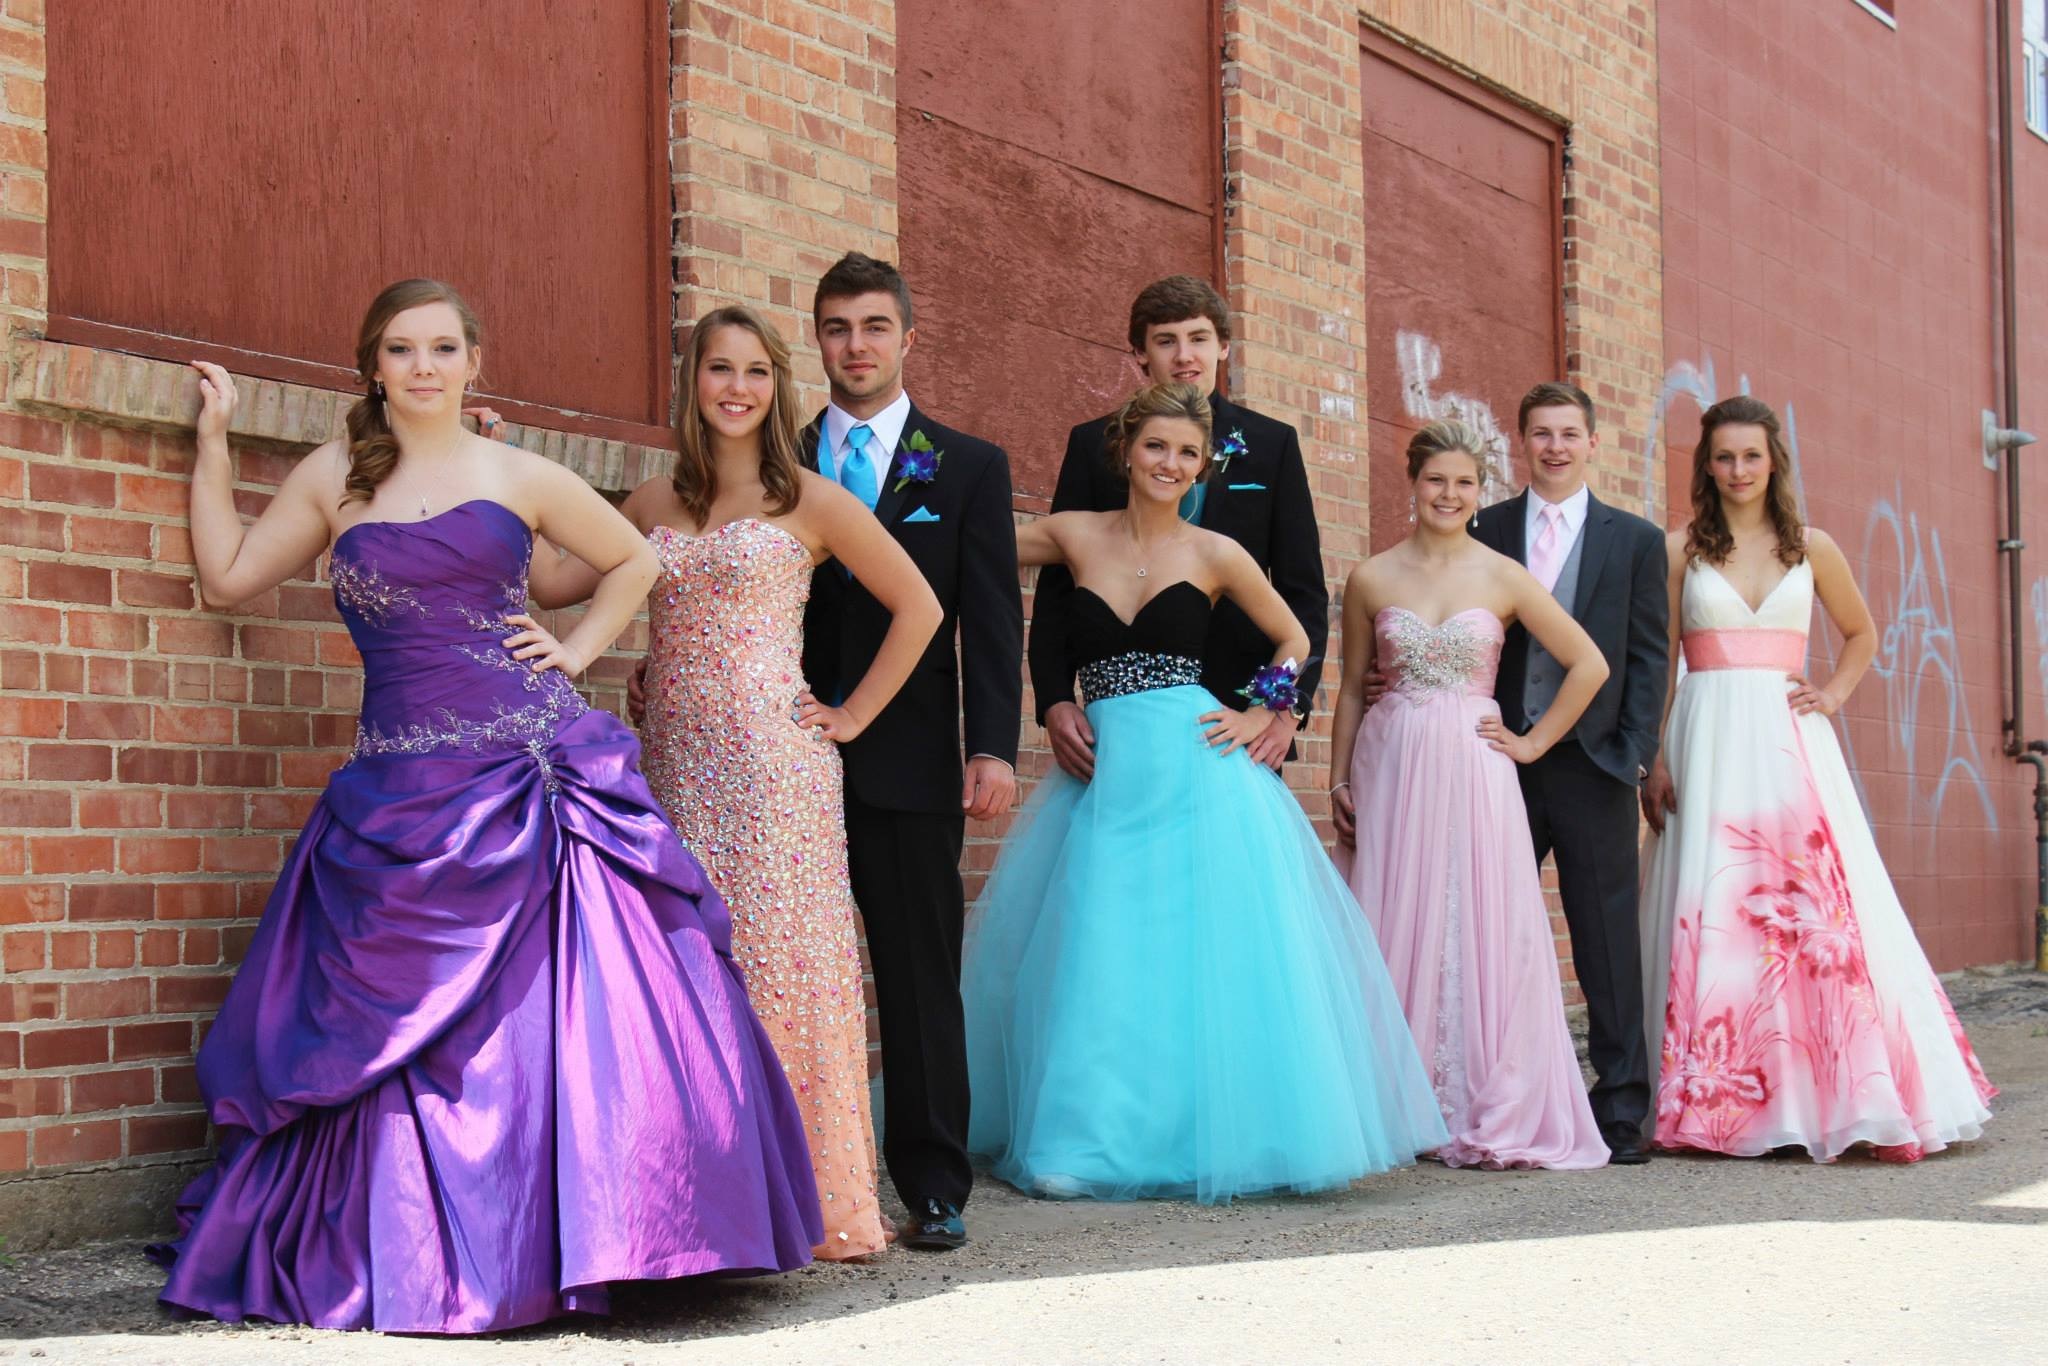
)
(2034, 54)
(235, 179)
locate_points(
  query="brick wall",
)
(783, 144)
(1294, 212)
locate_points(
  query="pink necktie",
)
(1546, 557)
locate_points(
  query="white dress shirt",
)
(1574, 509)
(886, 425)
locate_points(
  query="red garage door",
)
(1463, 245)
(1055, 156)
(516, 148)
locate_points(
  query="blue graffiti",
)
(1920, 664)
(2041, 642)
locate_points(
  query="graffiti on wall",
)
(1918, 660)
(2041, 643)
(1696, 382)
(1422, 365)
(1919, 663)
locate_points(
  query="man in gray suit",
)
(1608, 566)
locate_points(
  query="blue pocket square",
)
(1247, 486)
(923, 514)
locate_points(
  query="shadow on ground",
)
(110, 1289)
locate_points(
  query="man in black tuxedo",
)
(945, 496)
(1608, 567)
(1257, 494)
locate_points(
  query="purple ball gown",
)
(489, 1050)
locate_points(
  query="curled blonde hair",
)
(1183, 402)
(1448, 434)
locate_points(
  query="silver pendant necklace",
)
(1146, 559)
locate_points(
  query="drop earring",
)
(1411, 509)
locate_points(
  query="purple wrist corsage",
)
(1274, 687)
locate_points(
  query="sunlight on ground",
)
(1879, 1290)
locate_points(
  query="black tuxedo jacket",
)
(1261, 501)
(959, 531)
(1623, 603)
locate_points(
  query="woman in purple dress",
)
(489, 1050)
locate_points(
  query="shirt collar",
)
(1574, 508)
(887, 426)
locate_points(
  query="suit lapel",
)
(1223, 419)
(1594, 541)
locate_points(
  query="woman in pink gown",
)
(1795, 1007)
(741, 755)
(1424, 791)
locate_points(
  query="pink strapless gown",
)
(1447, 874)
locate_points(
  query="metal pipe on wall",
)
(2009, 417)
(2008, 443)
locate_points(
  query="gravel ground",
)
(1687, 1259)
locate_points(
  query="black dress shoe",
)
(1624, 1146)
(935, 1227)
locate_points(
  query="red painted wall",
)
(1829, 242)
(1462, 213)
(255, 194)
(1056, 155)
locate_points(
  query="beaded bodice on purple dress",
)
(425, 603)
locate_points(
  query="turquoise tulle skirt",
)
(1171, 992)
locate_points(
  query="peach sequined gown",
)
(758, 801)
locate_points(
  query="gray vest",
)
(1544, 674)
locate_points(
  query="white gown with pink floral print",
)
(1794, 1005)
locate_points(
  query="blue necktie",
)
(856, 471)
(1191, 504)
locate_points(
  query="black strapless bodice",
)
(1161, 647)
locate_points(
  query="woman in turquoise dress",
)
(1170, 991)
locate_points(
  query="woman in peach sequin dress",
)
(735, 747)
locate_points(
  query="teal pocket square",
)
(922, 515)
(1247, 486)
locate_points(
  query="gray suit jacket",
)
(1622, 603)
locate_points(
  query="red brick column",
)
(1294, 263)
(783, 143)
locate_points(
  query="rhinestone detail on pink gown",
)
(759, 802)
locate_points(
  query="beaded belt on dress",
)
(1137, 671)
(1749, 647)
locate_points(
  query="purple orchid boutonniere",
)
(918, 462)
(1228, 449)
